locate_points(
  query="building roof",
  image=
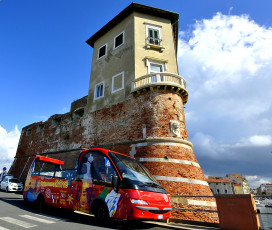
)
(218, 181)
(237, 185)
(135, 7)
(237, 175)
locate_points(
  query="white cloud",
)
(256, 181)
(256, 140)
(8, 146)
(261, 140)
(226, 61)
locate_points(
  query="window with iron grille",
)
(153, 35)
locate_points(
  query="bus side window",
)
(84, 168)
(59, 174)
(70, 174)
(103, 169)
(84, 171)
(66, 174)
(58, 171)
(47, 169)
(95, 165)
(37, 168)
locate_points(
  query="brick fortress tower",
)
(135, 105)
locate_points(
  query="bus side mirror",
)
(115, 183)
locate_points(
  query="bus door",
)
(67, 187)
(96, 180)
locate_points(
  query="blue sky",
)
(45, 65)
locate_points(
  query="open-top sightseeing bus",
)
(104, 183)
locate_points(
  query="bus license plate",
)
(160, 217)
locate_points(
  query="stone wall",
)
(139, 127)
(78, 104)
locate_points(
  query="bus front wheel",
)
(101, 213)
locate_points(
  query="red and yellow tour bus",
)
(103, 182)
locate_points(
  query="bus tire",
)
(40, 202)
(101, 212)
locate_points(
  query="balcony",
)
(160, 81)
(154, 43)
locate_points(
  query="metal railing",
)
(154, 41)
(158, 79)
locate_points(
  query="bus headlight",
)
(134, 201)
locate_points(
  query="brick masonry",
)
(139, 127)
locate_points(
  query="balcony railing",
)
(154, 41)
(160, 81)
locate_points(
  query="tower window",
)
(102, 51)
(119, 40)
(153, 35)
(117, 82)
(99, 90)
(155, 68)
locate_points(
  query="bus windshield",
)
(134, 173)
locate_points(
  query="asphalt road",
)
(15, 215)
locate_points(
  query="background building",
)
(242, 186)
(265, 189)
(220, 186)
(239, 183)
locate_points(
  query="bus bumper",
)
(149, 213)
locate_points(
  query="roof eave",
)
(134, 7)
